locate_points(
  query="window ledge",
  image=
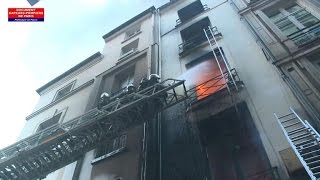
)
(128, 38)
(61, 99)
(111, 154)
(126, 56)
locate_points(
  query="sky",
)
(33, 53)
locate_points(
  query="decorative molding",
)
(61, 99)
(71, 75)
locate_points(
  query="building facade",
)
(242, 61)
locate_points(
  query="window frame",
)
(62, 112)
(136, 32)
(124, 73)
(267, 12)
(116, 149)
(64, 87)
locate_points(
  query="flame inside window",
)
(205, 77)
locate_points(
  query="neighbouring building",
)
(241, 62)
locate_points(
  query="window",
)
(122, 80)
(50, 122)
(194, 35)
(116, 146)
(296, 23)
(190, 11)
(132, 31)
(126, 80)
(65, 90)
(129, 48)
(203, 70)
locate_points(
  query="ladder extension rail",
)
(223, 56)
(301, 159)
(215, 55)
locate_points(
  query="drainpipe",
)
(160, 74)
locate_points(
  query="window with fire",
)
(204, 75)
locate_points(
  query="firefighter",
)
(130, 89)
(104, 100)
(143, 84)
(153, 79)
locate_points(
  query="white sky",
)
(34, 53)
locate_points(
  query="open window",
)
(129, 48)
(190, 11)
(295, 22)
(63, 91)
(204, 75)
(122, 80)
(114, 147)
(194, 35)
(50, 122)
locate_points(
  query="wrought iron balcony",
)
(197, 40)
(192, 15)
(270, 174)
(306, 35)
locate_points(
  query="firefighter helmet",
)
(154, 77)
(131, 88)
(105, 95)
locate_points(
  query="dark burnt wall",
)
(182, 155)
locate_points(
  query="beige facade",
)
(226, 134)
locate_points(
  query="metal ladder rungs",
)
(304, 148)
(296, 130)
(314, 157)
(310, 152)
(285, 115)
(314, 168)
(313, 162)
(299, 135)
(304, 142)
(292, 124)
(288, 120)
(317, 173)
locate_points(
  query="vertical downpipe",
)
(160, 74)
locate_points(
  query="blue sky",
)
(34, 53)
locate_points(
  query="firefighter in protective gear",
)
(153, 79)
(104, 100)
(143, 84)
(131, 89)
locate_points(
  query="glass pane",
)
(305, 18)
(293, 8)
(284, 24)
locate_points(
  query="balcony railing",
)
(197, 40)
(306, 35)
(213, 86)
(205, 8)
(270, 174)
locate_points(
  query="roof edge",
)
(71, 70)
(147, 11)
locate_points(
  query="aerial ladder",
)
(304, 140)
(61, 144)
(57, 146)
